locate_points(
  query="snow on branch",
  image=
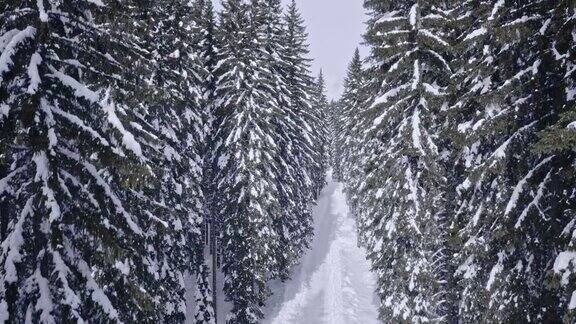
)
(495, 9)
(521, 184)
(476, 33)
(500, 152)
(4, 182)
(80, 90)
(428, 34)
(42, 175)
(102, 184)
(7, 37)
(390, 17)
(535, 203)
(496, 269)
(519, 75)
(407, 55)
(412, 184)
(33, 74)
(417, 77)
(439, 58)
(98, 3)
(10, 49)
(62, 271)
(80, 123)
(385, 98)
(96, 293)
(416, 133)
(41, 11)
(413, 15)
(127, 138)
(389, 110)
(11, 246)
(44, 303)
(563, 263)
(4, 111)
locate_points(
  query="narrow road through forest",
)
(333, 283)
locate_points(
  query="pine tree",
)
(301, 156)
(334, 114)
(319, 116)
(349, 135)
(402, 196)
(205, 312)
(244, 163)
(78, 164)
(292, 222)
(349, 128)
(470, 96)
(176, 113)
(207, 47)
(513, 199)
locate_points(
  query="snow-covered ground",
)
(333, 283)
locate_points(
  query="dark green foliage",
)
(101, 177)
(265, 168)
(401, 198)
(76, 218)
(492, 174)
(513, 198)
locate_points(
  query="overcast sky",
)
(335, 29)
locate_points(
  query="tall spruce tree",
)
(342, 132)
(244, 160)
(207, 47)
(319, 116)
(514, 203)
(560, 140)
(349, 129)
(402, 197)
(301, 155)
(292, 222)
(349, 132)
(77, 219)
(176, 114)
(470, 97)
(334, 112)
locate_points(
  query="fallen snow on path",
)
(333, 283)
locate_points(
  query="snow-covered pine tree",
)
(244, 163)
(349, 128)
(175, 112)
(302, 157)
(515, 202)
(292, 222)
(350, 134)
(559, 142)
(76, 169)
(207, 47)
(204, 302)
(202, 49)
(334, 113)
(402, 196)
(319, 113)
(471, 101)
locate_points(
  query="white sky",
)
(335, 29)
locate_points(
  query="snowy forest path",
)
(333, 283)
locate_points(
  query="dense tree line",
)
(458, 156)
(138, 138)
